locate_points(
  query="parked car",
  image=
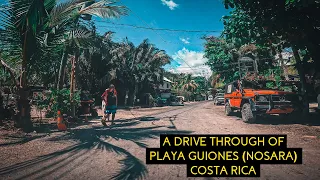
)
(210, 98)
(218, 99)
(177, 101)
(161, 102)
(255, 98)
(182, 98)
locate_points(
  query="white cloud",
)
(172, 5)
(192, 59)
(185, 40)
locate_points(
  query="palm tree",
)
(73, 14)
(189, 84)
(139, 66)
(96, 63)
(24, 22)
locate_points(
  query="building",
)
(165, 88)
(166, 84)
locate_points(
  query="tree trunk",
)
(131, 97)
(126, 98)
(283, 67)
(302, 80)
(63, 64)
(1, 108)
(72, 87)
(24, 108)
(73, 82)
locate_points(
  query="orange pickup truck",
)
(254, 98)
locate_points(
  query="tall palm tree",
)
(139, 66)
(24, 22)
(189, 84)
(96, 63)
(21, 21)
(73, 13)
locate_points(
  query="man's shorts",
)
(111, 109)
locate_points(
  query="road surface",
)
(96, 152)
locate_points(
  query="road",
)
(95, 152)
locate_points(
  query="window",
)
(167, 85)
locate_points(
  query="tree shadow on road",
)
(93, 138)
(16, 140)
(312, 119)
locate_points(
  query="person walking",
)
(111, 102)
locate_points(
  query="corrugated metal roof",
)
(166, 79)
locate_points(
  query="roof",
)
(166, 79)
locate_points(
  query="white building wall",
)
(165, 86)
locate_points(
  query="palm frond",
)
(63, 11)
(104, 9)
(29, 14)
(132, 168)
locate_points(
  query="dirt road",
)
(96, 152)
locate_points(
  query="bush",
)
(51, 100)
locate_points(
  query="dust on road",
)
(96, 152)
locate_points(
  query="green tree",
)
(222, 58)
(138, 67)
(189, 84)
(241, 30)
(73, 14)
(293, 22)
(21, 21)
(27, 25)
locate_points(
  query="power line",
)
(158, 35)
(169, 42)
(160, 29)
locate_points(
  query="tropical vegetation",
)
(262, 29)
(44, 43)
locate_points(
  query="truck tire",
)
(227, 109)
(247, 114)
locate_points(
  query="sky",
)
(171, 14)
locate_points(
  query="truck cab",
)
(253, 98)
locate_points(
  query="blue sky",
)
(171, 14)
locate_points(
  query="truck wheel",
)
(295, 116)
(247, 114)
(228, 109)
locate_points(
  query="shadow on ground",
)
(313, 119)
(17, 140)
(88, 139)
